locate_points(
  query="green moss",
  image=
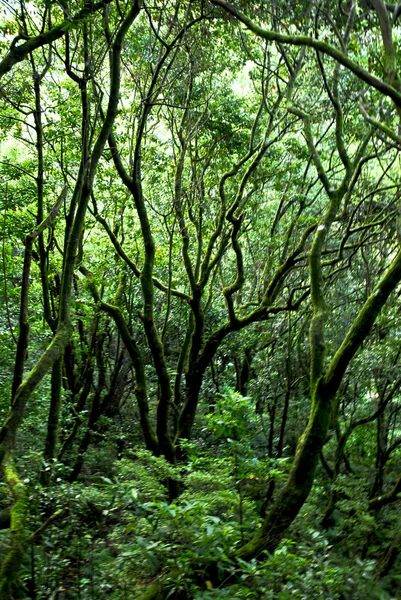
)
(155, 592)
(18, 540)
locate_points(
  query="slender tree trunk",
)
(62, 335)
(50, 451)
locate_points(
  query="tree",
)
(217, 223)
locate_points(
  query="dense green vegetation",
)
(200, 322)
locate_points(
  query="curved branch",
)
(362, 326)
(384, 499)
(324, 47)
(17, 54)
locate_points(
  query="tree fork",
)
(300, 481)
(62, 336)
(17, 54)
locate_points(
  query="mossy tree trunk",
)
(52, 355)
(18, 541)
(325, 379)
(50, 450)
(81, 197)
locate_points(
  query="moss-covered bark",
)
(19, 53)
(324, 382)
(294, 494)
(100, 403)
(384, 399)
(302, 40)
(31, 381)
(50, 450)
(388, 498)
(84, 186)
(84, 385)
(292, 497)
(388, 560)
(202, 352)
(132, 347)
(43, 253)
(134, 185)
(23, 338)
(12, 560)
(53, 353)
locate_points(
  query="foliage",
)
(199, 321)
